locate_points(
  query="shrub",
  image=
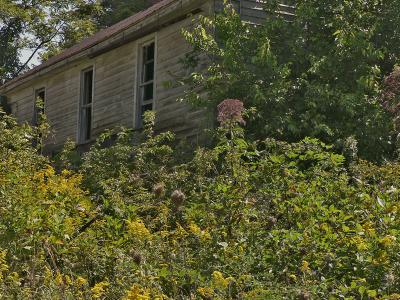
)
(241, 220)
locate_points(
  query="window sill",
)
(85, 143)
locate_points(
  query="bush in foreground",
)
(260, 220)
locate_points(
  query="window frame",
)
(140, 83)
(82, 137)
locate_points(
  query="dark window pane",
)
(148, 92)
(149, 52)
(148, 71)
(86, 108)
(88, 87)
(88, 121)
(147, 107)
(86, 125)
(40, 95)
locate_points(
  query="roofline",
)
(101, 36)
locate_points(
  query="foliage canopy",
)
(43, 27)
(48, 27)
(319, 74)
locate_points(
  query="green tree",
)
(319, 74)
(41, 27)
(117, 10)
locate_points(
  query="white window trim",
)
(80, 99)
(138, 69)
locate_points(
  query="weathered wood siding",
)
(115, 72)
(61, 103)
(114, 100)
(172, 114)
(114, 85)
(252, 11)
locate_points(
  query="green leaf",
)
(372, 293)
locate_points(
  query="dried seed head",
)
(390, 278)
(159, 189)
(272, 220)
(304, 295)
(137, 258)
(178, 197)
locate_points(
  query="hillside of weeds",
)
(240, 220)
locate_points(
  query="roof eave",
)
(162, 14)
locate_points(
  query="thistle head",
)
(178, 197)
(159, 189)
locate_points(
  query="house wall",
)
(114, 101)
(115, 73)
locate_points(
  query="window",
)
(85, 107)
(38, 108)
(4, 105)
(146, 80)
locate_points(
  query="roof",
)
(95, 39)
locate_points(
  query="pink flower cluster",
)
(392, 89)
(390, 98)
(230, 111)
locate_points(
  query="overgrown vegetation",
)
(268, 212)
(318, 75)
(242, 220)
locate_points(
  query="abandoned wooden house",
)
(112, 77)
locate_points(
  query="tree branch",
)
(37, 49)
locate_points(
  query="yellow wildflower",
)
(388, 240)
(66, 172)
(180, 232)
(382, 258)
(195, 229)
(305, 267)
(48, 276)
(201, 234)
(80, 281)
(219, 280)
(206, 292)
(137, 229)
(3, 264)
(14, 278)
(368, 227)
(99, 289)
(68, 280)
(360, 243)
(136, 292)
(59, 279)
